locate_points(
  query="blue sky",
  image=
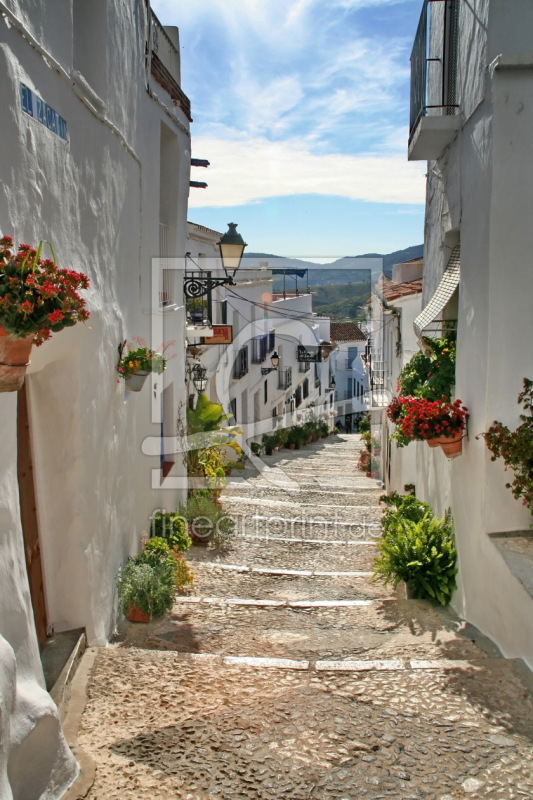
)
(302, 107)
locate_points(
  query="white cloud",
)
(244, 171)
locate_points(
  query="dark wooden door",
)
(28, 513)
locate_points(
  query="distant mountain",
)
(350, 269)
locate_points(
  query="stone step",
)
(284, 529)
(304, 497)
(356, 665)
(284, 586)
(298, 555)
(300, 480)
(174, 724)
(241, 626)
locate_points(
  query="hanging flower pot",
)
(452, 446)
(432, 442)
(135, 365)
(38, 298)
(14, 359)
(136, 381)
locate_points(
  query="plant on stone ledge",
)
(516, 448)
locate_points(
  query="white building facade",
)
(396, 304)
(261, 323)
(472, 119)
(96, 160)
(351, 377)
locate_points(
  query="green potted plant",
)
(294, 438)
(170, 527)
(135, 366)
(207, 522)
(323, 429)
(37, 298)
(280, 437)
(256, 448)
(417, 548)
(269, 442)
(146, 584)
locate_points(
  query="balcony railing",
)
(444, 87)
(165, 65)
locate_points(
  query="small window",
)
(305, 388)
(265, 391)
(224, 312)
(233, 409)
(241, 363)
(259, 349)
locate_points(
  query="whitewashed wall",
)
(403, 460)
(97, 198)
(480, 191)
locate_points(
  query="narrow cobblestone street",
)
(284, 673)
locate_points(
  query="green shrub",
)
(269, 442)
(430, 375)
(172, 528)
(323, 428)
(256, 448)
(281, 436)
(403, 508)
(206, 520)
(148, 586)
(420, 552)
(364, 424)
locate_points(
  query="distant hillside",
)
(350, 269)
(340, 288)
(341, 301)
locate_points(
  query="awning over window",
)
(447, 286)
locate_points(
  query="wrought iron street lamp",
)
(199, 379)
(274, 360)
(231, 248)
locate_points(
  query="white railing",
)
(164, 48)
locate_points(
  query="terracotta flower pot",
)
(14, 359)
(136, 615)
(432, 442)
(452, 446)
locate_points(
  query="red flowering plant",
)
(396, 411)
(516, 448)
(37, 298)
(431, 419)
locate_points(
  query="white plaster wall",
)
(480, 189)
(97, 199)
(34, 759)
(403, 460)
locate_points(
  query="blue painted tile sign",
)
(41, 111)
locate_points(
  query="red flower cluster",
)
(36, 296)
(397, 407)
(430, 419)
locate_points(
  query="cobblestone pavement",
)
(284, 673)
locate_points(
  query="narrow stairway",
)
(286, 674)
